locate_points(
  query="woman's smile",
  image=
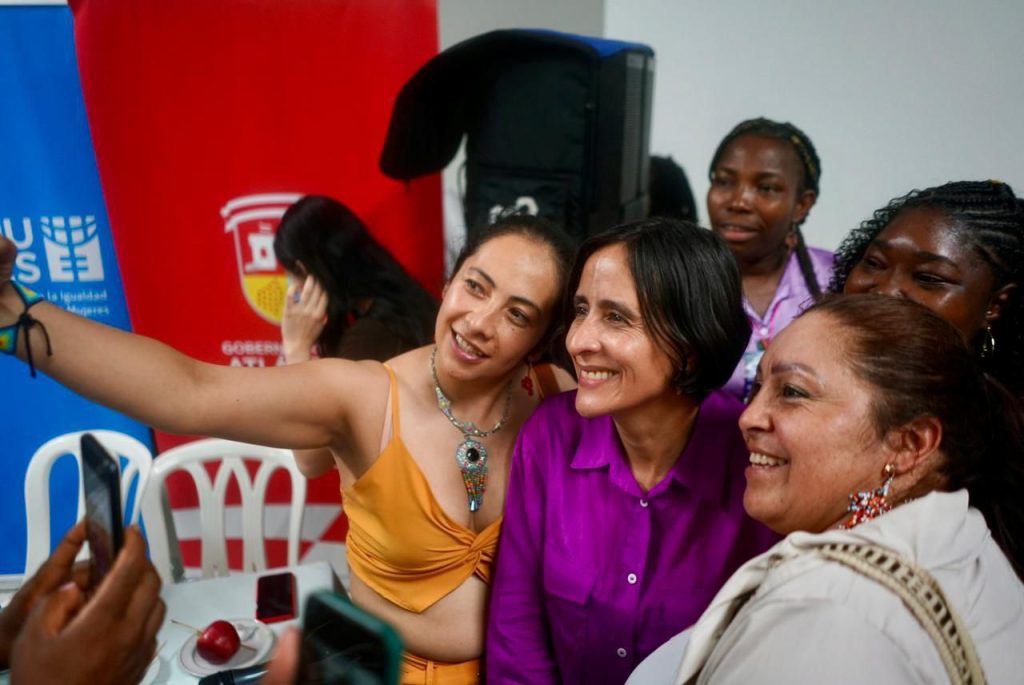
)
(466, 349)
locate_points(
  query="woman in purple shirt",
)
(624, 512)
(764, 181)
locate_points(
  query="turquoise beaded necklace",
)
(470, 455)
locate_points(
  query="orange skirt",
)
(419, 671)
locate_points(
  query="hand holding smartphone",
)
(101, 485)
(344, 645)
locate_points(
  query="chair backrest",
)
(139, 461)
(192, 458)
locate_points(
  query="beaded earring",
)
(868, 504)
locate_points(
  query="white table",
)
(200, 602)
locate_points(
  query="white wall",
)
(461, 19)
(895, 95)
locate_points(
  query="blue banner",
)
(51, 206)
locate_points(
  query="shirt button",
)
(644, 503)
(621, 651)
(631, 579)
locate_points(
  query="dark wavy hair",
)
(918, 366)
(688, 287)
(334, 246)
(808, 156)
(988, 219)
(563, 249)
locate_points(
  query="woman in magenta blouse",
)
(624, 512)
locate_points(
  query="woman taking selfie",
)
(624, 512)
(421, 443)
(895, 466)
(764, 181)
(957, 249)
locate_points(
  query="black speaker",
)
(556, 125)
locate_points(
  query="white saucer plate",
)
(258, 638)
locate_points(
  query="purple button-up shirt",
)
(593, 573)
(792, 296)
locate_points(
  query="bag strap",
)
(921, 594)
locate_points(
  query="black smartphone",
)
(344, 645)
(275, 597)
(101, 485)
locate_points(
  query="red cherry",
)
(218, 642)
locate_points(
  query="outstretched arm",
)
(170, 391)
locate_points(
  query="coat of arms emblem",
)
(252, 220)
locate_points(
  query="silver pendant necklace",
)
(470, 455)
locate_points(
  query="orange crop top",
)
(400, 541)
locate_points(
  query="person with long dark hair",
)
(765, 178)
(348, 296)
(421, 443)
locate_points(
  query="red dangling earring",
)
(527, 383)
(868, 504)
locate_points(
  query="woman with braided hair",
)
(764, 181)
(957, 249)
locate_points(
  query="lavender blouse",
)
(792, 296)
(593, 573)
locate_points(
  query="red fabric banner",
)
(208, 118)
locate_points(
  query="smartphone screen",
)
(275, 597)
(343, 645)
(101, 484)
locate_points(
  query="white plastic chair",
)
(191, 458)
(37, 484)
